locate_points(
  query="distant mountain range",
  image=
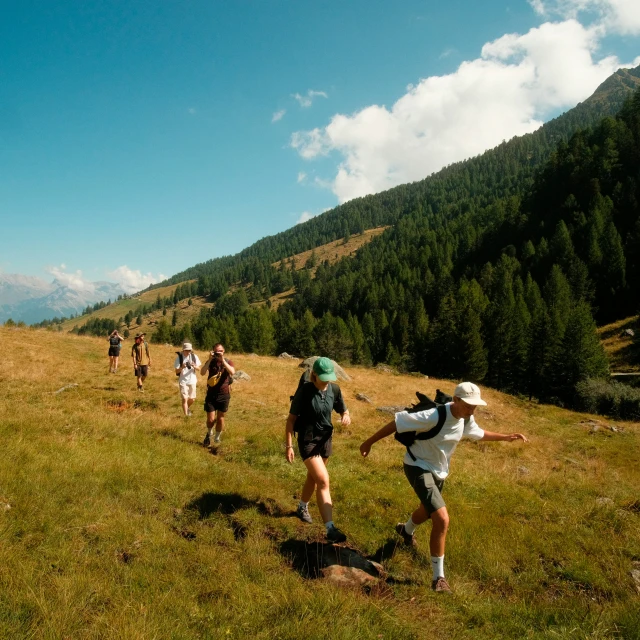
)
(32, 299)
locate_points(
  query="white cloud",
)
(509, 90)
(191, 111)
(133, 280)
(302, 176)
(447, 52)
(307, 100)
(278, 115)
(306, 215)
(538, 7)
(73, 280)
(616, 16)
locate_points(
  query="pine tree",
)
(499, 325)
(304, 342)
(472, 361)
(580, 355)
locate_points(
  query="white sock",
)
(437, 564)
(209, 431)
(329, 524)
(410, 526)
(302, 504)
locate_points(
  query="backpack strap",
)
(432, 433)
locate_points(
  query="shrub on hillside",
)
(608, 398)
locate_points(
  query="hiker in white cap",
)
(186, 364)
(426, 464)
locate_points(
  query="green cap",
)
(323, 368)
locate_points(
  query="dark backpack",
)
(408, 438)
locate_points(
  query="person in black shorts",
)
(310, 417)
(115, 343)
(216, 403)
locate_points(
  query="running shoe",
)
(408, 540)
(335, 535)
(441, 585)
(303, 514)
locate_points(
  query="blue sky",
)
(139, 138)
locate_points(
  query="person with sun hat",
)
(426, 464)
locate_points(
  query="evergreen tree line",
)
(100, 327)
(504, 293)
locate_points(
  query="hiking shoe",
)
(407, 540)
(207, 441)
(335, 535)
(189, 414)
(217, 437)
(441, 585)
(303, 514)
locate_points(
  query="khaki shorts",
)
(426, 486)
(187, 391)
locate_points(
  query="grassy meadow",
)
(116, 523)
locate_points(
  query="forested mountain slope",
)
(504, 292)
(462, 187)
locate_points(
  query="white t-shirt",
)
(188, 376)
(435, 454)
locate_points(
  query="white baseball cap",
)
(469, 393)
(187, 347)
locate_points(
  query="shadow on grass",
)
(386, 551)
(175, 435)
(310, 558)
(228, 503)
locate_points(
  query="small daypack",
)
(408, 438)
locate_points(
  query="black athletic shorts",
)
(217, 402)
(142, 370)
(313, 444)
(114, 351)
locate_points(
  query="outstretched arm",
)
(387, 430)
(506, 437)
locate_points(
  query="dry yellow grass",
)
(618, 346)
(336, 250)
(122, 526)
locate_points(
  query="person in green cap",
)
(310, 417)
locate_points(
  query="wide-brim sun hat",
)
(187, 346)
(324, 370)
(469, 393)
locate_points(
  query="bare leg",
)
(211, 420)
(220, 422)
(440, 524)
(115, 364)
(317, 470)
